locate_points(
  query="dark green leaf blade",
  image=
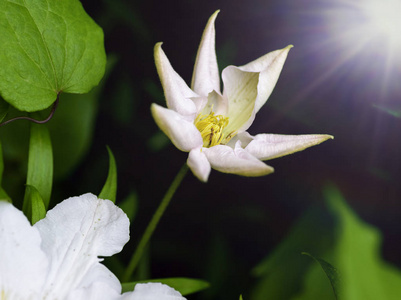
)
(185, 286)
(3, 194)
(47, 47)
(40, 162)
(331, 273)
(34, 207)
(4, 106)
(109, 190)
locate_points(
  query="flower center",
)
(211, 128)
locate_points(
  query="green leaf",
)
(354, 248)
(40, 162)
(240, 297)
(331, 273)
(130, 205)
(284, 263)
(365, 275)
(34, 208)
(185, 286)
(72, 126)
(109, 190)
(47, 47)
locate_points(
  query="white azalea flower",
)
(57, 258)
(211, 125)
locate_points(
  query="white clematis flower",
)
(211, 125)
(57, 258)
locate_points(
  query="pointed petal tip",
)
(288, 48)
(212, 19)
(325, 137)
(157, 48)
(214, 15)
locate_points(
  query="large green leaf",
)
(280, 274)
(47, 47)
(331, 273)
(354, 251)
(365, 275)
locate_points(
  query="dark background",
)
(339, 79)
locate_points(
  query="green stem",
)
(153, 223)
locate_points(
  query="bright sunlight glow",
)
(384, 19)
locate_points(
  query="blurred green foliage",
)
(348, 243)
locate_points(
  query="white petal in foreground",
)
(184, 135)
(269, 146)
(236, 161)
(206, 77)
(23, 264)
(199, 164)
(96, 291)
(176, 91)
(74, 234)
(269, 66)
(153, 291)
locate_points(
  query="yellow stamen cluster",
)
(211, 128)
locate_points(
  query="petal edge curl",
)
(269, 66)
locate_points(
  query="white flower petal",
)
(206, 72)
(269, 146)
(216, 103)
(99, 284)
(200, 103)
(269, 66)
(23, 264)
(199, 164)
(153, 291)
(97, 291)
(184, 135)
(74, 234)
(244, 137)
(176, 91)
(236, 161)
(240, 88)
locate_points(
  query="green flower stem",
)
(153, 223)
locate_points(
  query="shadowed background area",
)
(341, 78)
